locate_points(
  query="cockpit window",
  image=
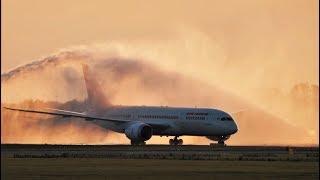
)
(226, 119)
(229, 118)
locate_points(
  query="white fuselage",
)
(182, 121)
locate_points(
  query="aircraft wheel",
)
(171, 141)
(175, 141)
(137, 143)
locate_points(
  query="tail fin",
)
(96, 98)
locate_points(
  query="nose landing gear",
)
(220, 140)
(138, 143)
(175, 141)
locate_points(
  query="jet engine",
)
(139, 132)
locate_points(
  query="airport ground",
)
(158, 162)
(99, 168)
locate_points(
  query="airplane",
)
(140, 123)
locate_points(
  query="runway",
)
(157, 162)
(192, 152)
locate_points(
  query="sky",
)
(244, 47)
(253, 32)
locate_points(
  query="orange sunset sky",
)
(248, 48)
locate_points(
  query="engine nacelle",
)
(139, 132)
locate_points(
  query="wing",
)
(65, 113)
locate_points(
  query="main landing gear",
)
(138, 143)
(175, 141)
(221, 142)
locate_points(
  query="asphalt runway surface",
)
(187, 162)
(192, 152)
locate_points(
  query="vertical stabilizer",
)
(96, 98)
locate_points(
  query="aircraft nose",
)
(233, 128)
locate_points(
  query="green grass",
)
(99, 168)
